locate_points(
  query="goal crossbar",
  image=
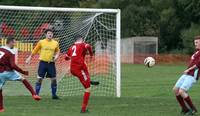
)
(59, 9)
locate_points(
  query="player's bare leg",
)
(187, 99)
(38, 85)
(54, 88)
(180, 100)
(30, 88)
(1, 101)
(85, 100)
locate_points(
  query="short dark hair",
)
(77, 37)
(196, 37)
(48, 30)
(9, 39)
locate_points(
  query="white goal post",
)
(99, 27)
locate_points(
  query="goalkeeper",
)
(49, 52)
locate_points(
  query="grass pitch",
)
(145, 92)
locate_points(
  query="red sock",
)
(189, 102)
(85, 101)
(29, 87)
(181, 102)
(1, 100)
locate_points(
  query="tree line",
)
(175, 22)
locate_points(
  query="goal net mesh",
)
(97, 28)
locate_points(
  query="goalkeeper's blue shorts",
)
(46, 69)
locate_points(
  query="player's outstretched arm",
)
(56, 55)
(14, 66)
(67, 57)
(28, 60)
(57, 52)
(195, 66)
(198, 64)
(89, 48)
(35, 51)
(68, 54)
(191, 68)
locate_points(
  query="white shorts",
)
(185, 82)
(9, 76)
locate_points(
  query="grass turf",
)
(145, 92)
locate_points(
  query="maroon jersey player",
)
(9, 70)
(185, 82)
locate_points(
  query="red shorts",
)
(82, 73)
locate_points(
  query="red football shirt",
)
(7, 60)
(194, 60)
(77, 53)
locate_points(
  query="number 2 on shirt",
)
(74, 50)
(1, 54)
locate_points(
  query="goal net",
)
(99, 27)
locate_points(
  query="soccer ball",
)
(149, 61)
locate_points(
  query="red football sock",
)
(85, 101)
(181, 102)
(1, 100)
(29, 87)
(189, 102)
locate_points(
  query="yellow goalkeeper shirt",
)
(47, 49)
